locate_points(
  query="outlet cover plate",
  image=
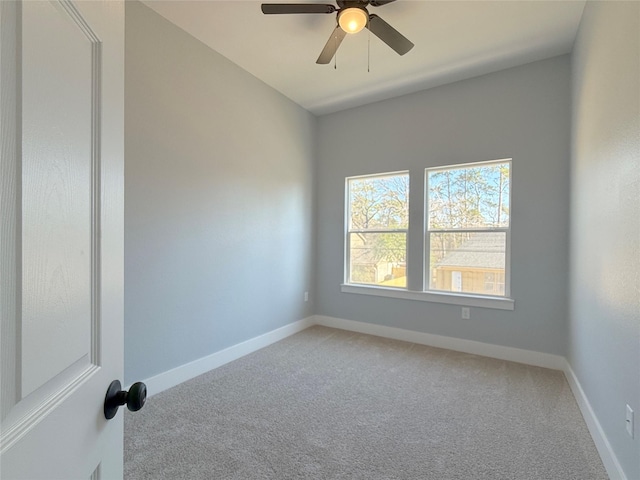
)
(629, 421)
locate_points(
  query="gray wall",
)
(218, 205)
(521, 113)
(604, 321)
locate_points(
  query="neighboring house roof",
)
(481, 250)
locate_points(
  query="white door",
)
(62, 124)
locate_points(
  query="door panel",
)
(58, 179)
(62, 237)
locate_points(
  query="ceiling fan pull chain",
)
(368, 49)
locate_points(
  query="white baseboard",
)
(176, 376)
(538, 359)
(609, 459)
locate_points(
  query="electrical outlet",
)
(466, 314)
(629, 421)
(306, 296)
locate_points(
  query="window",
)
(377, 226)
(466, 233)
(468, 222)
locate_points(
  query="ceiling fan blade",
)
(379, 3)
(277, 8)
(332, 45)
(389, 35)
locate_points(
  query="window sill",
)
(498, 303)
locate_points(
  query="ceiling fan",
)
(352, 17)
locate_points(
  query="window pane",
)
(378, 259)
(379, 203)
(468, 262)
(469, 197)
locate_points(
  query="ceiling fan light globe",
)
(352, 20)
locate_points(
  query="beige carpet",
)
(331, 404)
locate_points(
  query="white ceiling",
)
(453, 40)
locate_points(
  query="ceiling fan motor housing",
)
(353, 4)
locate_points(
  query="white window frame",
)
(432, 296)
(505, 230)
(348, 232)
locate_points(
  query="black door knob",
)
(134, 398)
